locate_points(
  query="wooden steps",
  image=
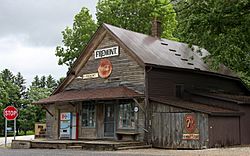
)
(95, 145)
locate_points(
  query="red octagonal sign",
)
(10, 113)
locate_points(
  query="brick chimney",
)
(156, 28)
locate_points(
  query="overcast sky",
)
(29, 32)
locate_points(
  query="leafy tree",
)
(137, 15)
(9, 93)
(129, 14)
(221, 27)
(40, 88)
(58, 82)
(76, 38)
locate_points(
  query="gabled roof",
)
(163, 52)
(146, 50)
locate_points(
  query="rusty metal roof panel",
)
(163, 52)
(93, 94)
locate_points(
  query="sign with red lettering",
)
(10, 113)
(105, 68)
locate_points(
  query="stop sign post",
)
(10, 113)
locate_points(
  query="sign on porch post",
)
(10, 113)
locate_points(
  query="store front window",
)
(126, 115)
(88, 115)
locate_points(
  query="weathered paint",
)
(168, 128)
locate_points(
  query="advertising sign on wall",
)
(190, 130)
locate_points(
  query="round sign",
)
(105, 68)
(10, 113)
(136, 109)
(190, 123)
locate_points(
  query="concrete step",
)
(126, 144)
(134, 147)
(74, 147)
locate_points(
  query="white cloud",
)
(30, 31)
(29, 61)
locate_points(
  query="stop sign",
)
(10, 113)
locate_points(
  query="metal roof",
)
(93, 94)
(208, 109)
(163, 52)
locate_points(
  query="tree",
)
(76, 38)
(36, 81)
(9, 93)
(51, 82)
(20, 82)
(221, 27)
(129, 14)
(42, 82)
(137, 15)
(40, 88)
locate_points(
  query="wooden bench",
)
(127, 135)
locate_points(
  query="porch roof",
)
(92, 94)
(199, 107)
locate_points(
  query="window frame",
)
(125, 114)
(90, 108)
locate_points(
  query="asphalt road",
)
(238, 151)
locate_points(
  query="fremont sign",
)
(10, 113)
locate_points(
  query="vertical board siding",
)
(168, 128)
(162, 82)
(126, 71)
(224, 131)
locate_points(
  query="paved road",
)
(239, 151)
(9, 139)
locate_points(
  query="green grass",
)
(21, 133)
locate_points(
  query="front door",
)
(109, 120)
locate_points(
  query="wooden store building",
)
(130, 86)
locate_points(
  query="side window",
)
(88, 115)
(179, 90)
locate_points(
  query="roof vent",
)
(177, 54)
(189, 63)
(183, 59)
(164, 43)
(172, 50)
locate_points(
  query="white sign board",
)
(90, 76)
(107, 52)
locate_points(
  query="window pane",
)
(88, 114)
(126, 115)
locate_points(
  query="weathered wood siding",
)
(162, 82)
(224, 131)
(168, 124)
(245, 124)
(53, 122)
(126, 71)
